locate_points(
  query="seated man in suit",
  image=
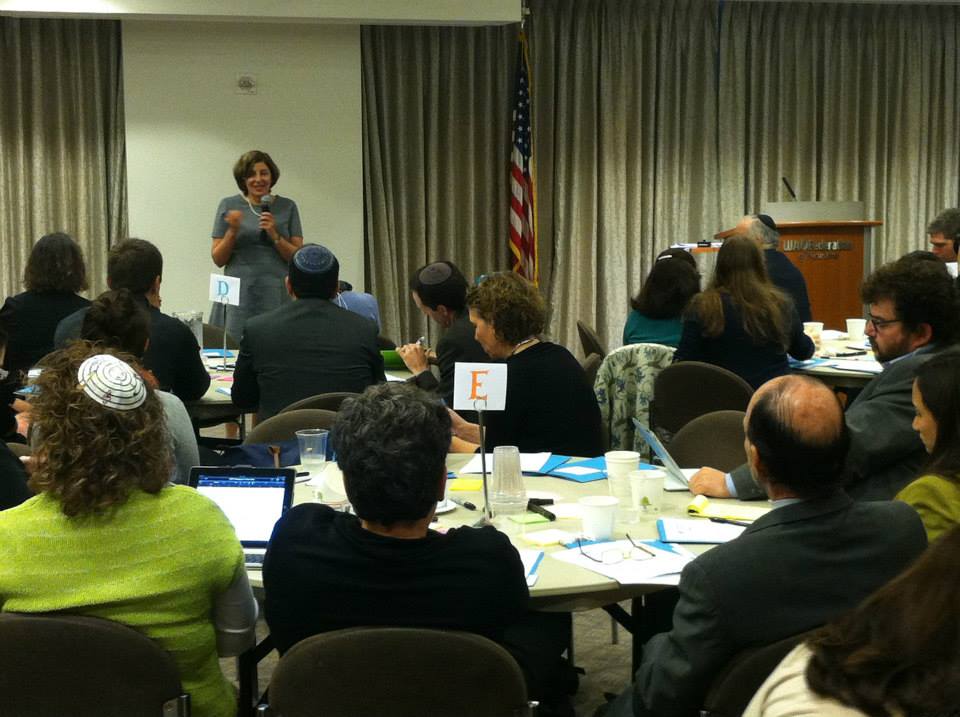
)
(944, 232)
(308, 346)
(815, 555)
(440, 292)
(784, 275)
(173, 355)
(913, 314)
(327, 570)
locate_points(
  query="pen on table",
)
(539, 509)
(730, 522)
(464, 503)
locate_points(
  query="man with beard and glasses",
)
(912, 314)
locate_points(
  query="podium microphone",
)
(789, 188)
(265, 201)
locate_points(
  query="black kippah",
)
(435, 273)
(768, 220)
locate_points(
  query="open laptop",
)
(253, 499)
(676, 478)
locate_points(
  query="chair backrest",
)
(713, 439)
(284, 426)
(213, 338)
(326, 401)
(591, 365)
(689, 389)
(736, 685)
(624, 389)
(55, 664)
(590, 341)
(20, 449)
(386, 344)
(401, 672)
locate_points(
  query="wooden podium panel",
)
(832, 256)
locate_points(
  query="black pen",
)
(464, 503)
(540, 510)
(730, 522)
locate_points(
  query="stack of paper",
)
(701, 507)
(529, 463)
(628, 571)
(704, 532)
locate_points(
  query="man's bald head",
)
(796, 426)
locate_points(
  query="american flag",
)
(523, 217)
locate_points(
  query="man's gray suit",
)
(885, 452)
(796, 568)
(307, 347)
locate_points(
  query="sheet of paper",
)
(391, 377)
(628, 571)
(576, 471)
(693, 530)
(672, 483)
(225, 289)
(479, 386)
(529, 463)
(862, 366)
(550, 536)
(703, 507)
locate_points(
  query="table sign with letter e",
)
(480, 387)
(225, 290)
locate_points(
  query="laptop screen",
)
(253, 499)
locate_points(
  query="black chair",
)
(52, 665)
(401, 672)
(213, 338)
(736, 685)
(590, 341)
(326, 401)
(591, 365)
(689, 389)
(20, 449)
(713, 439)
(284, 426)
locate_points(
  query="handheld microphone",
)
(789, 188)
(265, 201)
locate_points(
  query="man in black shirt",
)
(327, 570)
(172, 354)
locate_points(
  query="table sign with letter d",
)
(480, 387)
(225, 290)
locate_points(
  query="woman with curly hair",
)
(897, 654)
(742, 322)
(107, 536)
(54, 274)
(936, 400)
(550, 405)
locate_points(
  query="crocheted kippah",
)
(314, 259)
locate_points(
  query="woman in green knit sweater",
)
(936, 401)
(107, 536)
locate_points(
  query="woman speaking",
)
(254, 235)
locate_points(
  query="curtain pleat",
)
(61, 140)
(436, 114)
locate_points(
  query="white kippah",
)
(112, 383)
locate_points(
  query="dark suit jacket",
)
(30, 319)
(794, 569)
(885, 452)
(787, 277)
(307, 347)
(13, 479)
(173, 354)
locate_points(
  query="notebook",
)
(675, 476)
(253, 499)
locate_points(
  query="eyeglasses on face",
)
(612, 555)
(880, 323)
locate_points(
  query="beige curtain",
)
(436, 116)
(850, 102)
(625, 117)
(62, 164)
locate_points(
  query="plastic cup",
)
(856, 329)
(813, 329)
(598, 514)
(620, 464)
(646, 491)
(508, 495)
(313, 449)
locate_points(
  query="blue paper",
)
(599, 464)
(218, 353)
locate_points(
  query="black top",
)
(788, 278)
(13, 479)
(304, 348)
(736, 351)
(30, 319)
(324, 572)
(550, 406)
(457, 344)
(173, 354)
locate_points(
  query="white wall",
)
(186, 126)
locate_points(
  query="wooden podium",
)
(833, 257)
